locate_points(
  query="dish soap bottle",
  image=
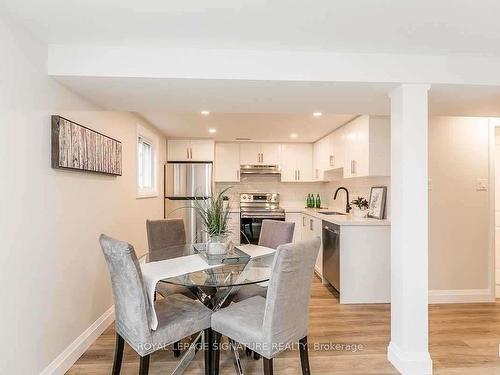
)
(318, 201)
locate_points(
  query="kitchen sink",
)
(332, 213)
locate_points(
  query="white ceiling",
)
(265, 110)
(255, 126)
(402, 26)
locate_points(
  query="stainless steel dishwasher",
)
(331, 254)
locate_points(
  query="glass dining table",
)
(216, 285)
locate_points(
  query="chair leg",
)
(207, 347)
(268, 366)
(177, 349)
(117, 363)
(216, 339)
(304, 356)
(144, 365)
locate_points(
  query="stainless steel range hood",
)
(260, 169)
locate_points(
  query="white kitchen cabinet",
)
(296, 162)
(190, 150)
(227, 162)
(321, 154)
(311, 228)
(270, 153)
(250, 153)
(178, 149)
(336, 148)
(367, 147)
(295, 217)
(260, 153)
(361, 148)
(234, 227)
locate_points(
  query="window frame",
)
(150, 138)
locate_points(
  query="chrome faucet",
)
(347, 206)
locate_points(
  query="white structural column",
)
(408, 350)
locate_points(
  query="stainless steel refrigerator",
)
(183, 183)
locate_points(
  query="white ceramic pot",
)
(217, 245)
(357, 212)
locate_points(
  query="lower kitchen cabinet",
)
(311, 228)
(295, 217)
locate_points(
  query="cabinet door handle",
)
(187, 153)
(298, 174)
(353, 167)
(262, 157)
(310, 224)
(295, 175)
(303, 221)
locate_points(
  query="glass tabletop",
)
(256, 270)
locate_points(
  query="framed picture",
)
(77, 147)
(376, 208)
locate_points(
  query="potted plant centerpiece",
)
(360, 208)
(214, 214)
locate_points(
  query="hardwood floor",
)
(464, 339)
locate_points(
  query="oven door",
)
(250, 227)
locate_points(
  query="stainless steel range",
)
(255, 207)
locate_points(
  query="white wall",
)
(53, 281)
(458, 213)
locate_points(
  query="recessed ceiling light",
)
(317, 114)
(293, 135)
(212, 130)
(205, 113)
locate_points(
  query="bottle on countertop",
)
(318, 201)
(308, 201)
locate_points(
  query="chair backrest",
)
(165, 233)
(274, 233)
(287, 302)
(129, 292)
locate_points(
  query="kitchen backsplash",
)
(294, 194)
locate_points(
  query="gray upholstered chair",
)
(268, 325)
(178, 316)
(273, 233)
(163, 234)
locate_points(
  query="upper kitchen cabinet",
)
(321, 154)
(367, 147)
(190, 150)
(227, 162)
(296, 162)
(260, 153)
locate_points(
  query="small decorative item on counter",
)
(309, 201)
(360, 208)
(318, 201)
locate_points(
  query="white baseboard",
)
(461, 296)
(419, 363)
(70, 355)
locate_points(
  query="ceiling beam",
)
(144, 62)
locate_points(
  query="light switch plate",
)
(481, 184)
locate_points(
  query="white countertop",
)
(344, 219)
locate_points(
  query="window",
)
(146, 163)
